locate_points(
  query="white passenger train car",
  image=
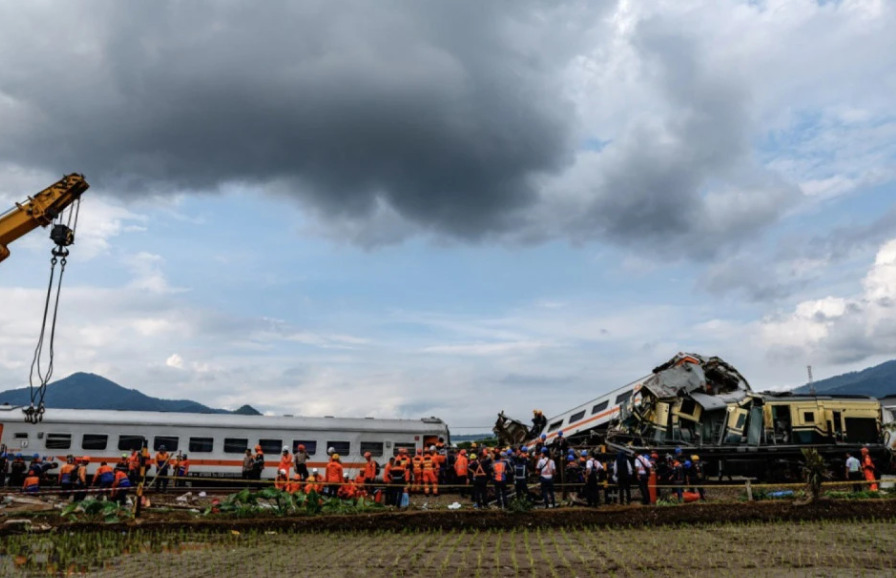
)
(594, 414)
(215, 443)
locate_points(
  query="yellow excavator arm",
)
(40, 211)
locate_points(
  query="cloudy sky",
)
(452, 208)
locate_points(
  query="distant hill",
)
(90, 391)
(878, 381)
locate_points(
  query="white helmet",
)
(285, 449)
(313, 470)
(331, 450)
(432, 448)
(283, 472)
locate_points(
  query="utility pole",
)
(811, 383)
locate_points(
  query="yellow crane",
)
(42, 210)
(56, 205)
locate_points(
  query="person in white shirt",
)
(642, 470)
(546, 469)
(593, 469)
(854, 471)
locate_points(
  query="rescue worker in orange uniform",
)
(360, 486)
(285, 460)
(134, 466)
(461, 469)
(81, 479)
(430, 473)
(440, 458)
(869, 470)
(281, 481)
(104, 476)
(173, 465)
(369, 472)
(314, 482)
(334, 475)
(32, 483)
(183, 468)
(162, 467)
(294, 484)
(398, 475)
(67, 477)
(347, 490)
(417, 464)
(120, 486)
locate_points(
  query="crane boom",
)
(39, 210)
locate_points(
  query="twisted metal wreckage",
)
(704, 404)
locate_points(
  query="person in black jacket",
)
(624, 478)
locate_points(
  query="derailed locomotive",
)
(705, 406)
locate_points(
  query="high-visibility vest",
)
(460, 466)
(121, 480)
(65, 474)
(428, 464)
(500, 470)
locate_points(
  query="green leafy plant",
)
(815, 472)
(89, 510)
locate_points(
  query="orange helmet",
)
(864, 450)
(302, 447)
(85, 459)
(367, 454)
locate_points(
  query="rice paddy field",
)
(771, 540)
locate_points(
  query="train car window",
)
(94, 442)
(375, 448)
(688, 406)
(201, 445)
(399, 446)
(235, 445)
(341, 448)
(128, 442)
(577, 416)
(623, 397)
(170, 443)
(310, 446)
(861, 430)
(809, 416)
(555, 425)
(22, 435)
(600, 407)
(271, 447)
(59, 441)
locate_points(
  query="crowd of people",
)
(34, 472)
(484, 474)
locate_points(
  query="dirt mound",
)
(616, 516)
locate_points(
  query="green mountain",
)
(878, 381)
(90, 391)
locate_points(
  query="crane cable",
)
(63, 234)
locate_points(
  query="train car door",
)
(837, 426)
(737, 420)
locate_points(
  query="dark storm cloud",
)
(389, 118)
(444, 111)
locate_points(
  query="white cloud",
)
(842, 328)
(175, 361)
